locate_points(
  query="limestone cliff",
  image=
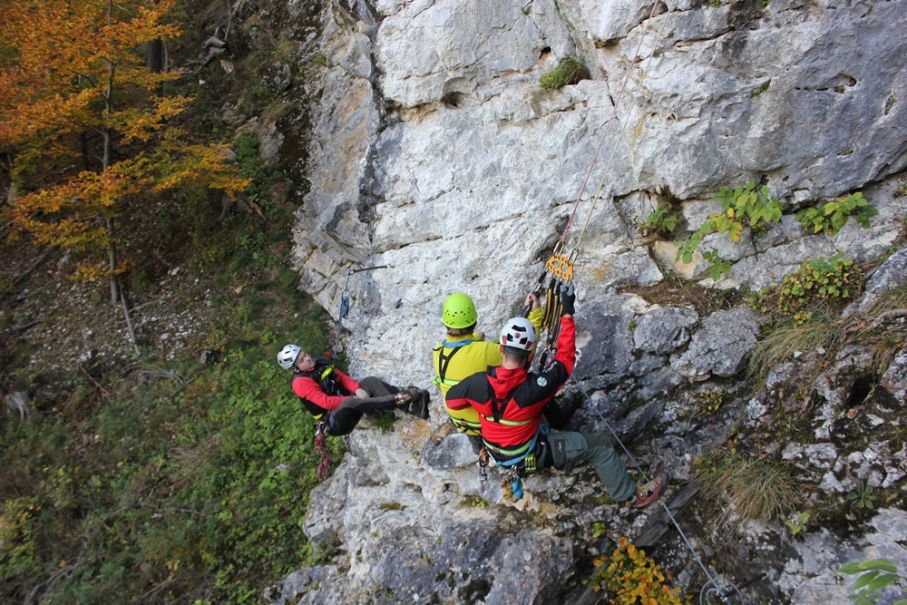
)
(438, 157)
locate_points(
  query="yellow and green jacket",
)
(458, 358)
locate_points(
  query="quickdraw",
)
(324, 466)
(344, 310)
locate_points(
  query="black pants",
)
(345, 418)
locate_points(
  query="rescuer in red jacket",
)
(510, 400)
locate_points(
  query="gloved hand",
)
(568, 298)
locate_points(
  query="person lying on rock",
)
(510, 400)
(333, 397)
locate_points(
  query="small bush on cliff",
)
(740, 208)
(568, 71)
(755, 488)
(831, 216)
(817, 281)
(630, 576)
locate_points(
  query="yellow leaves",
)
(61, 51)
(136, 124)
(633, 578)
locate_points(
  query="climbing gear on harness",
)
(459, 311)
(287, 356)
(324, 467)
(560, 267)
(520, 464)
(484, 458)
(518, 333)
(516, 487)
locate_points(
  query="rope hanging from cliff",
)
(716, 587)
(560, 264)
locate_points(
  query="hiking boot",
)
(417, 402)
(647, 493)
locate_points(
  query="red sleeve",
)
(346, 382)
(309, 390)
(566, 344)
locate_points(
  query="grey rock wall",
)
(438, 157)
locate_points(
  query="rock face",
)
(438, 161)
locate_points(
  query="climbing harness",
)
(716, 587)
(444, 360)
(324, 465)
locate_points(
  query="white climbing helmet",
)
(518, 333)
(287, 356)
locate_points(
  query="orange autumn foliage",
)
(84, 121)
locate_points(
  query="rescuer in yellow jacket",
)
(465, 352)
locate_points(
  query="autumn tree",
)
(87, 128)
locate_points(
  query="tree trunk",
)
(155, 57)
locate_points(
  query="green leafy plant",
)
(796, 522)
(740, 208)
(831, 216)
(745, 207)
(598, 529)
(863, 497)
(663, 221)
(817, 280)
(568, 71)
(718, 267)
(874, 575)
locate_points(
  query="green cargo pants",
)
(569, 448)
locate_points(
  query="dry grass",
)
(753, 488)
(783, 341)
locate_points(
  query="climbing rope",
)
(345, 294)
(716, 587)
(570, 257)
(344, 310)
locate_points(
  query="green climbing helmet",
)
(459, 311)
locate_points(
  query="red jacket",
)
(520, 396)
(309, 390)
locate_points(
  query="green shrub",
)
(831, 216)
(874, 575)
(718, 267)
(662, 221)
(816, 281)
(568, 71)
(740, 208)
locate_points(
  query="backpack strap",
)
(444, 360)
